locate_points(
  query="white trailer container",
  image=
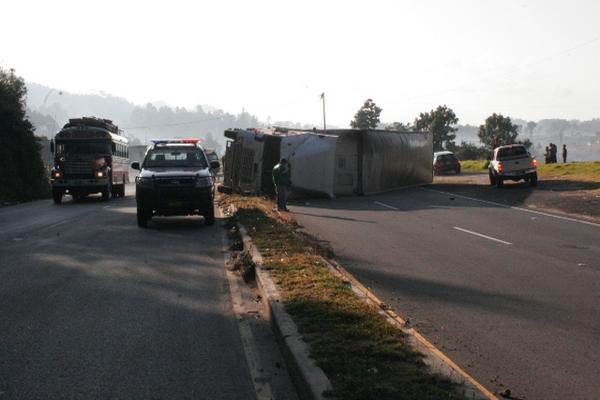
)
(333, 163)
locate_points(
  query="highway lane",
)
(91, 306)
(513, 297)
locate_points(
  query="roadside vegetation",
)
(577, 171)
(363, 355)
(22, 173)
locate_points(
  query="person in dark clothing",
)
(552, 153)
(282, 181)
(547, 155)
(564, 153)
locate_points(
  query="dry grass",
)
(364, 356)
(588, 171)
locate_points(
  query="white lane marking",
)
(481, 235)
(385, 205)
(492, 203)
(106, 207)
(262, 386)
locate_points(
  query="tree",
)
(499, 130)
(22, 173)
(531, 127)
(367, 117)
(399, 126)
(469, 151)
(439, 122)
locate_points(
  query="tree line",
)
(441, 121)
(22, 173)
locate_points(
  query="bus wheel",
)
(106, 193)
(57, 196)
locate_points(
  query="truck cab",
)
(512, 162)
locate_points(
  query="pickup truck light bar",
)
(174, 141)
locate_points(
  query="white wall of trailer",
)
(312, 160)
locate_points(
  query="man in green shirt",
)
(282, 182)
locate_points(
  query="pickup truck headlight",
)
(145, 182)
(203, 181)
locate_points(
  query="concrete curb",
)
(433, 357)
(311, 381)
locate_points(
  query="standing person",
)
(547, 155)
(564, 153)
(552, 153)
(282, 181)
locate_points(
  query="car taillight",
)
(500, 167)
(534, 163)
(56, 174)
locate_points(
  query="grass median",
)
(363, 355)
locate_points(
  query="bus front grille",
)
(78, 167)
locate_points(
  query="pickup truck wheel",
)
(499, 181)
(143, 215)
(492, 178)
(533, 179)
(209, 215)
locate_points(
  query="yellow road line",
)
(371, 296)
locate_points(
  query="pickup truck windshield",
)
(512, 152)
(175, 158)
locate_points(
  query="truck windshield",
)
(175, 158)
(507, 152)
(83, 147)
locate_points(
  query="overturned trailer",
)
(342, 162)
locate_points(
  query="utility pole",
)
(324, 122)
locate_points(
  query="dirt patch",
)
(579, 199)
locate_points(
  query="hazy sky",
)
(526, 59)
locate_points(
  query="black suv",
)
(174, 179)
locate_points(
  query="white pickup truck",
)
(512, 162)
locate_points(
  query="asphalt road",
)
(512, 296)
(92, 307)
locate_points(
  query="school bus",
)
(90, 156)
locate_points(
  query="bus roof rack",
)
(93, 121)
